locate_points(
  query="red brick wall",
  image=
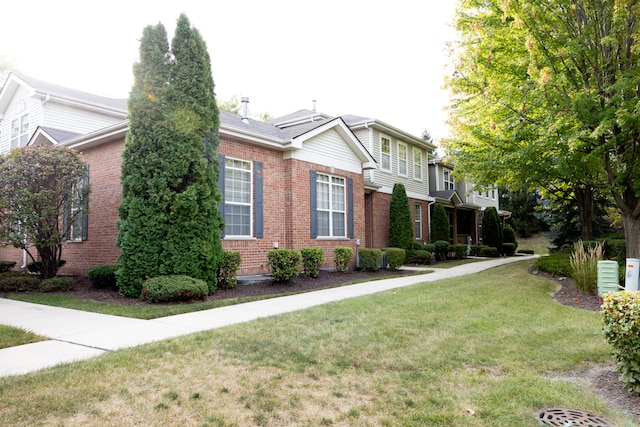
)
(379, 219)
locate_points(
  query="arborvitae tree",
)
(491, 229)
(439, 224)
(400, 223)
(169, 217)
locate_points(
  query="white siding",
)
(329, 149)
(73, 119)
(21, 103)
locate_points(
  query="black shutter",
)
(258, 199)
(312, 204)
(221, 163)
(85, 206)
(350, 225)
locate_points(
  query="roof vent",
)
(245, 109)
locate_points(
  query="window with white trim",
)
(331, 206)
(403, 159)
(417, 164)
(77, 211)
(418, 221)
(449, 183)
(20, 131)
(385, 154)
(237, 197)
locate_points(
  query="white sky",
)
(381, 59)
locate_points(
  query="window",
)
(417, 164)
(385, 154)
(331, 206)
(449, 183)
(402, 159)
(75, 220)
(418, 221)
(20, 131)
(237, 197)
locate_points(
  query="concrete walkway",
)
(77, 335)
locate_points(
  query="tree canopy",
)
(169, 217)
(546, 92)
(43, 197)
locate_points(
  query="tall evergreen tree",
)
(491, 228)
(169, 217)
(400, 223)
(439, 224)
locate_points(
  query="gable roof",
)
(51, 135)
(52, 92)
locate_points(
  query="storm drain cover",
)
(563, 417)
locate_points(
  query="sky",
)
(379, 59)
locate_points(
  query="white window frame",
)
(418, 221)
(417, 165)
(19, 131)
(449, 182)
(385, 158)
(76, 212)
(332, 206)
(403, 163)
(231, 172)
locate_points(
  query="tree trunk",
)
(586, 204)
(632, 234)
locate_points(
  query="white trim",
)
(417, 150)
(251, 196)
(406, 159)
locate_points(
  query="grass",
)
(538, 243)
(10, 336)
(487, 350)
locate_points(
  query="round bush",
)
(103, 276)
(56, 284)
(174, 288)
(395, 258)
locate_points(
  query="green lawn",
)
(10, 336)
(483, 350)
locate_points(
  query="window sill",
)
(332, 238)
(239, 238)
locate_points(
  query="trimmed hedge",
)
(395, 258)
(459, 251)
(442, 248)
(227, 271)
(18, 282)
(621, 317)
(103, 277)
(174, 288)
(56, 284)
(312, 259)
(342, 256)
(370, 259)
(285, 264)
(509, 248)
(6, 266)
(488, 251)
(36, 266)
(419, 256)
(557, 263)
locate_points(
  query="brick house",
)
(303, 180)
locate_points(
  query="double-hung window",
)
(331, 206)
(418, 221)
(449, 183)
(77, 211)
(385, 154)
(403, 161)
(20, 131)
(417, 164)
(237, 197)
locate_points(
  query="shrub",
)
(475, 250)
(56, 284)
(342, 258)
(312, 259)
(6, 266)
(442, 248)
(459, 251)
(228, 269)
(491, 230)
(103, 276)
(174, 288)
(526, 251)
(18, 282)
(509, 236)
(439, 223)
(395, 257)
(370, 259)
(621, 317)
(419, 256)
(557, 264)
(36, 266)
(584, 266)
(488, 251)
(508, 249)
(400, 222)
(430, 247)
(285, 264)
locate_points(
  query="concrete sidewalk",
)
(77, 335)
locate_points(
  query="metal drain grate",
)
(563, 417)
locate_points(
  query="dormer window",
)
(20, 131)
(449, 183)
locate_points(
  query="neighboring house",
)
(302, 180)
(464, 206)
